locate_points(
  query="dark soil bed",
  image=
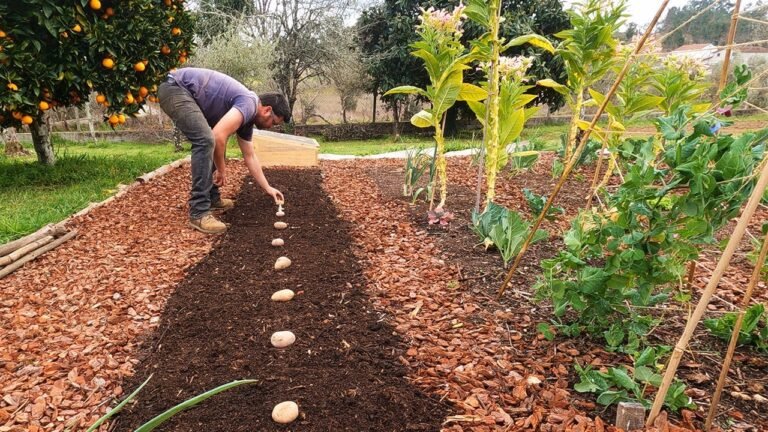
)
(343, 369)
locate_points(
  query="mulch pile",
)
(342, 370)
(73, 320)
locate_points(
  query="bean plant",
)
(588, 50)
(678, 190)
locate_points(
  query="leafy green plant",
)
(617, 384)
(417, 162)
(166, 415)
(503, 229)
(588, 50)
(524, 156)
(445, 59)
(505, 114)
(536, 204)
(754, 327)
(631, 254)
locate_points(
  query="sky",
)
(642, 11)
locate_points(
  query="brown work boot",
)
(208, 224)
(223, 204)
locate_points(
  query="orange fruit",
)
(12, 87)
(109, 11)
(182, 59)
(114, 119)
(108, 63)
(167, 2)
(43, 105)
(139, 67)
(94, 4)
(175, 31)
(129, 99)
(139, 99)
(121, 119)
(101, 99)
(26, 120)
(2, 34)
(17, 115)
(77, 28)
(143, 92)
(165, 49)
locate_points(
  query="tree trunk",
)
(396, 120)
(12, 145)
(375, 94)
(177, 140)
(41, 137)
(89, 116)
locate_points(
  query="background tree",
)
(55, 54)
(385, 33)
(712, 26)
(220, 17)
(347, 71)
(235, 53)
(305, 33)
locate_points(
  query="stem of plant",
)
(735, 334)
(492, 143)
(582, 144)
(728, 43)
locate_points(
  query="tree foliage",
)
(56, 54)
(386, 31)
(711, 27)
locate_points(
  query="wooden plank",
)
(276, 149)
(19, 243)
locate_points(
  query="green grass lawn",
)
(34, 195)
(385, 145)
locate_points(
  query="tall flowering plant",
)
(445, 60)
(504, 114)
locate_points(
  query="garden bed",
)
(343, 369)
(552, 405)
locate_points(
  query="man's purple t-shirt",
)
(217, 93)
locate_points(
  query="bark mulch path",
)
(72, 320)
(342, 370)
(477, 275)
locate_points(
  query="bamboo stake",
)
(731, 36)
(577, 153)
(722, 264)
(29, 257)
(735, 334)
(20, 252)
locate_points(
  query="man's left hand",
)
(276, 195)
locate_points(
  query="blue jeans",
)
(187, 116)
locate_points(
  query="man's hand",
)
(276, 195)
(219, 178)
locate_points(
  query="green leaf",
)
(119, 407)
(406, 90)
(189, 403)
(554, 85)
(479, 110)
(422, 119)
(622, 379)
(546, 330)
(447, 92)
(471, 92)
(533, 39)
(611, 397)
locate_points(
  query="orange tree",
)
(56, 52)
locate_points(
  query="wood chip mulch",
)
(462, 344)
(73, 320)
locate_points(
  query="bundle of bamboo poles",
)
(15, 254)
